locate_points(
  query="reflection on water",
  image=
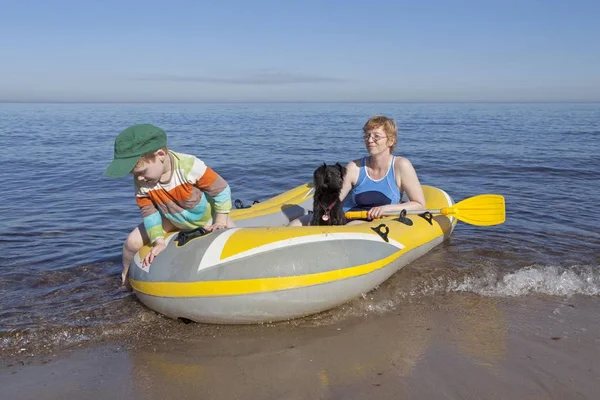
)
(479, 328)
(333, 361)
(305, 363)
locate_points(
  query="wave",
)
(534, 279)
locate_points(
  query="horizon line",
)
(303, 102)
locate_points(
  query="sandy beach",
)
(457, 345)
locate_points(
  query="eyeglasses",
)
(375, 138)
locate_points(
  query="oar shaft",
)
(363, 214)
(416, 212)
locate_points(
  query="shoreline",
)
(448, 346)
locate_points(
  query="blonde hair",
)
(149, 157)
(389, 127)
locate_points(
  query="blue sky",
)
(299, 50)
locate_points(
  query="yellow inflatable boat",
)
(262, 271)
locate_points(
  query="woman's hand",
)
(158, 247)
(378, 212)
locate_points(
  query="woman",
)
(376, 183)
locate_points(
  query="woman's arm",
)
(350, 179)
(411, 185)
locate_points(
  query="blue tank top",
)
(369, 193)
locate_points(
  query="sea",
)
(63, 223)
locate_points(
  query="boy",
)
(173, 190)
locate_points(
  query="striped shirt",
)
(188, 200)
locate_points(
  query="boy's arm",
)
(215, 186)
(152, 218)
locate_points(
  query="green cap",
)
(131, 145)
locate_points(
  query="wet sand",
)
(456, 345)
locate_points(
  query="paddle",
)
(481, 210)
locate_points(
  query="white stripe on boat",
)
(212, 256)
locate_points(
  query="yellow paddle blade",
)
(481, 210)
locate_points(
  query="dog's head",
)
(327, 209)
(329, 177)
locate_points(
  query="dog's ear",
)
(319, 176)
(341, 168)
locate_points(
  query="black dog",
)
(327, 208)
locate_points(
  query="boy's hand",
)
(219, 223)
(215, 227)
(159, 246)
